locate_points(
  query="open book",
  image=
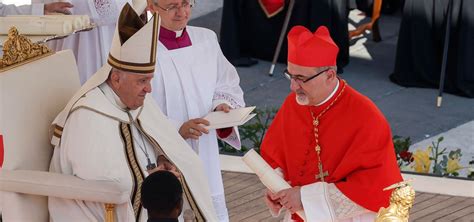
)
(235, 117)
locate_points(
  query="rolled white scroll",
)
(40, 25)
(78, 21)
(267, 175)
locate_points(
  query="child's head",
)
(162, 195)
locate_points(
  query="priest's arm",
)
(227, 94)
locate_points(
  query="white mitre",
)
(134, 44)
(133, 50)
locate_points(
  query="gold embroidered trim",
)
(154, 39)
(131, 67)
(135, 170)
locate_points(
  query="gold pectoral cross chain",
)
(322, 173)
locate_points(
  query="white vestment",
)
(189, 83)
(91, 48)
(92, 149)
(101, 141)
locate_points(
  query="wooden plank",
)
(229, 175)
(442, 214)
(258, 216)
(246, 209)
(255, 195)
(254, 191)
(469, 217)
(427, 203)
(242, 185)
(429, 213)
(236, 180)
(420, 197)
(458, 214)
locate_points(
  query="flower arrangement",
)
(431, 160)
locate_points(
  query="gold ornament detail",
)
(401, 201)
(18, 50)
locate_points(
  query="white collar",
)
(115, 100)
(330, 95)
(179, 33)
(112, 96)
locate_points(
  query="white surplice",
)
(91, 48)
(189, 83)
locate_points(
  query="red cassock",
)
(356, 147)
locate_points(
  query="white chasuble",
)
(101, 141)
(189, 83)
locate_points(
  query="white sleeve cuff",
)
(316, 203)
(37, 9)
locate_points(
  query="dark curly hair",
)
(161, 193)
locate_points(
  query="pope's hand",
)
(223, 107)
(57, 7)
(291, 199)
(272, 202)
(193, 129)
